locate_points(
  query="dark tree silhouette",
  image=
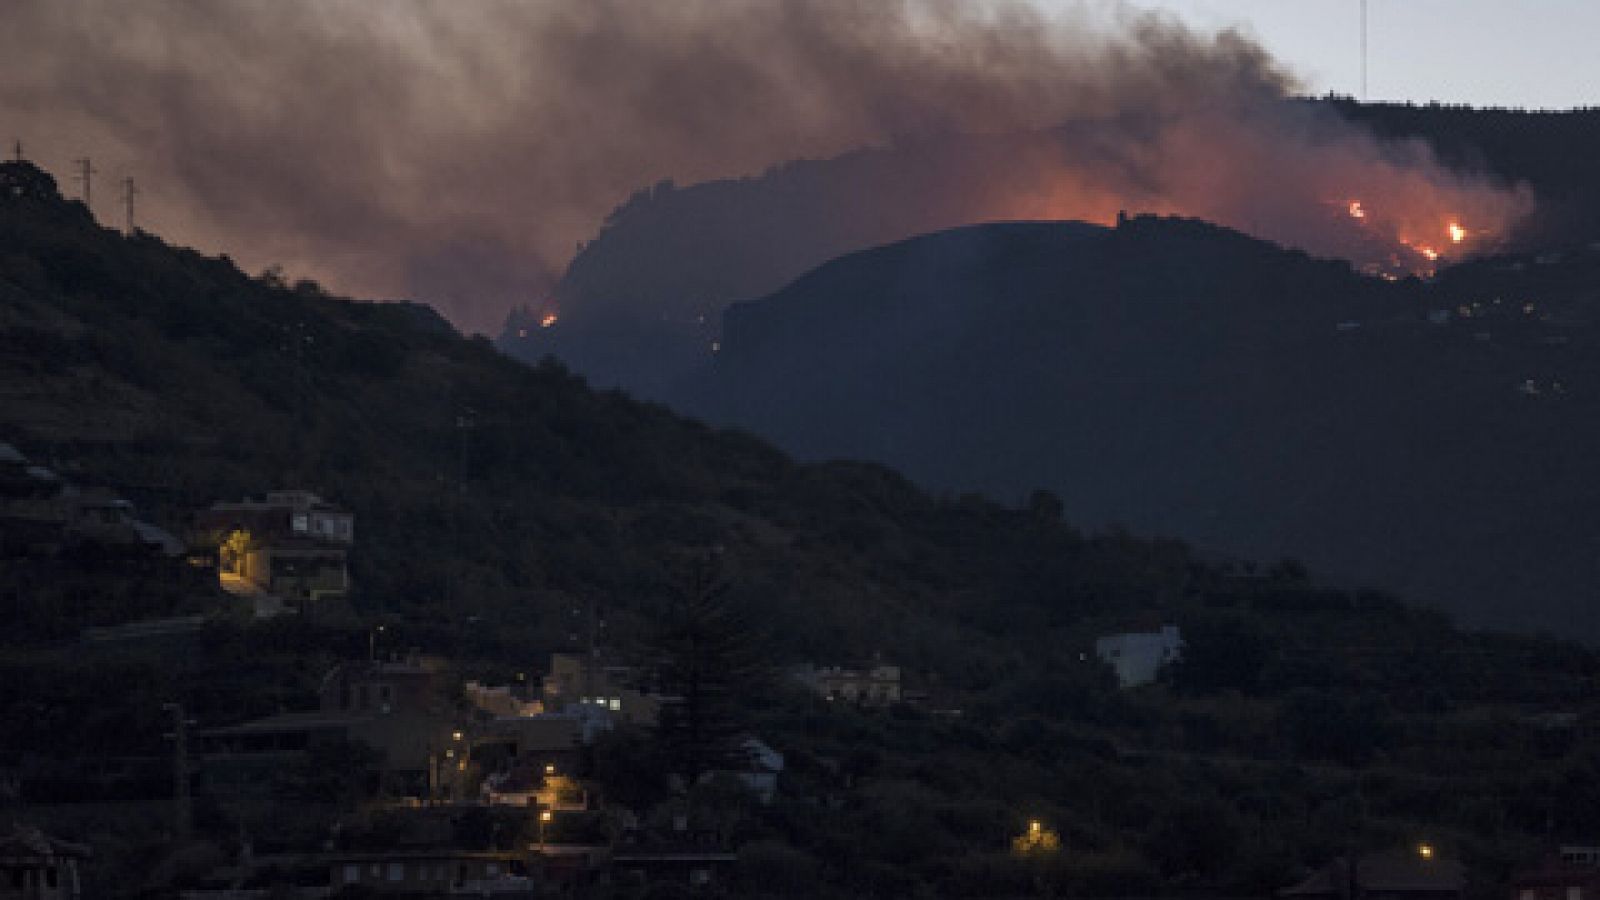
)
(708, 668)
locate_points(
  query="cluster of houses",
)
(444, 746)
(282, 553)
(441, 744)
(44, 515)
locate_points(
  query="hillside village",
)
(460, 786)
(398, 654)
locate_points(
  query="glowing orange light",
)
(1457, 233)
(548, 320)
(1356, 210)
(1429, 252)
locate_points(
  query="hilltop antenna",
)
(1363, 51)
(16, 151)
(86, 172)
(128, 191)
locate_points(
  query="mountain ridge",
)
(1253, 399)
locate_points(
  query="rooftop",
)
(25, 840)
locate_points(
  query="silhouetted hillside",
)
(640, 303)
(483, 486)
(1433, 439)
(490, 498)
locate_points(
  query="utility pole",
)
(1363, 51)
(16, 151)
(86, 173)
(182, 821)
(128, 190)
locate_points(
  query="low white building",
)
(762, 771)
(1137, 656)
(878, 685)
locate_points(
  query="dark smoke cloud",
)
(457, 152)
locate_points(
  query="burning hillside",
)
(1283, 170)
(458, 152)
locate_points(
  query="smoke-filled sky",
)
(458, 152)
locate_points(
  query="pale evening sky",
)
(1533, 53)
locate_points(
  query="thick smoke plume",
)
(457, 152)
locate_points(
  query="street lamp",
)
(1425, 850)
(1037, 840)
(372, 643)
(544, 819)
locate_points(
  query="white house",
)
(1138, 655)
(878, 685)
(762, 771)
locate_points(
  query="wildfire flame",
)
(1423, 241)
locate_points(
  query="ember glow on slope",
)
(456, 153)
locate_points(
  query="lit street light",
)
(1037, 840)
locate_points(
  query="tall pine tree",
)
(709, 667)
